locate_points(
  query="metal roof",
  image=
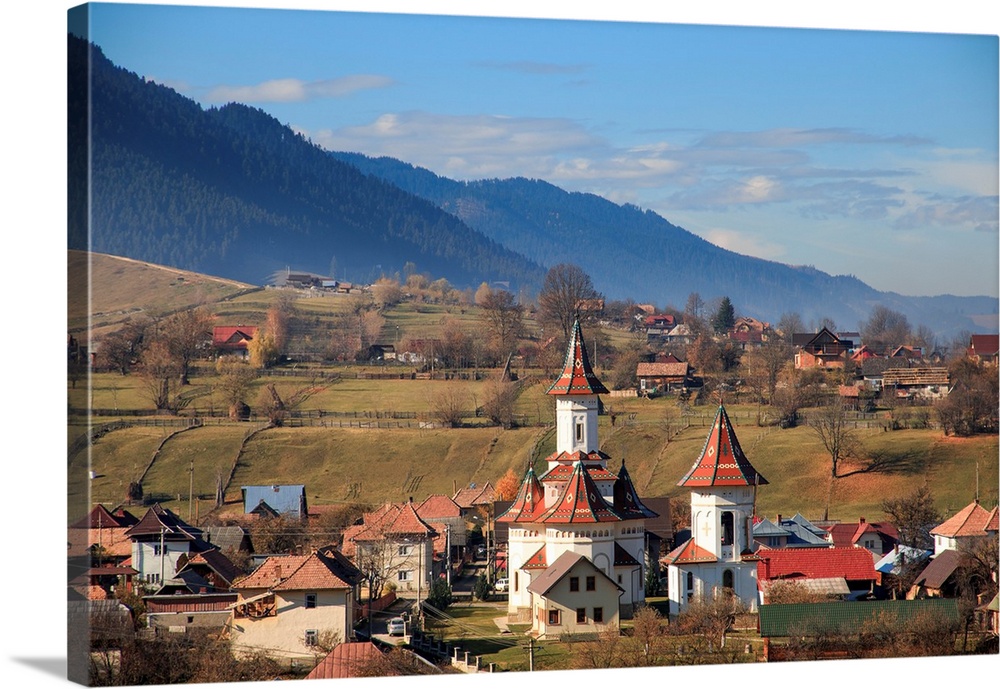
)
(813, 619)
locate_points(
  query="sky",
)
(698, 134)
(860, 152)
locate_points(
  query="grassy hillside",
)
(122, 287)
(344, 465)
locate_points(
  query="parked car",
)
(396, 627)
(500, 585)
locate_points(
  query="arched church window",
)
(727, 579)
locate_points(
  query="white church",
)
(719, 556)
(577, 538)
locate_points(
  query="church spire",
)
(577, 378)
(722, 462)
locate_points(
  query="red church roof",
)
(626, 498)
(722, 462)
(529, 503)
(688, 552)
(580, 502)
(577, 377)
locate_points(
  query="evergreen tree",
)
(725, 317)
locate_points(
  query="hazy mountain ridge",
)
(635, 253)
(232, 192)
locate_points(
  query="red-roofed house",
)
(971, 523)
(662, 376)
(233, 339)
(395, 540)
(877, 537)
(579, 509)
(984, 348)
(353, 659)
(719, 555)
(854, 566)
(292, 604)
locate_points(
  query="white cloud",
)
(296, 90)
(744, 243)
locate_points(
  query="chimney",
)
(779, 520)
(861, 520)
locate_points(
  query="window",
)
(579, 431)
(405, 550)
(312, 637)
(581, 615)
(690, 581)
(727, 579)
(404, 575)
(310, 600)
(591, 583)
(553, 617)
(190, 619)
(515, 579)
(598, 615)
(152, 578)
(727, 528)
(574, 583)
(156, 550)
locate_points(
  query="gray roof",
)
(225, 537)
(893, 561)
(799, 530)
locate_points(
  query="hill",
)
(637, 254)
(232, 192)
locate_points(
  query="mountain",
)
(635, 253)
(232, 192)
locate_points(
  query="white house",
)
(158, 542)
(577, 506)
(719, 555)
(295, 607)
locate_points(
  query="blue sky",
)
(872, 153)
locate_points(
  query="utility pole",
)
(191, 492)
(531, 654)
(447, 550)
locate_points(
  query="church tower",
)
(577, 505)
(719, 555)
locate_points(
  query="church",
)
(719, 556)
(577, 540)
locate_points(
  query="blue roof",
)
(893, 561)
(288, 500)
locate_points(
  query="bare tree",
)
(504, 317)
(885, 329)
(913, 516)
(834, 429)
(186, 333)
(235, 377)
(563, 293)
(121, 349)
(449, 405)
(498, 402)
(160, 373)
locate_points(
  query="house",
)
(894, 566)
(843, 571)
(161, 542)
(233, 339)
(577, 506)
(747, 331)
(908, 352)
(445, 516)
(940, 578)
(984, 348)
(102, 582)
(396, 540)
(381, 352)
(681, 334)
(274, 500)
(927, 382)
(797, 532)
(821, 350)
(102, 534)
(292, 605)
(186, 612)
(212, 567)
(658, 326)
(879, 538)
(971, 523)
(657, 377)
(719, 555)
(573, 597)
